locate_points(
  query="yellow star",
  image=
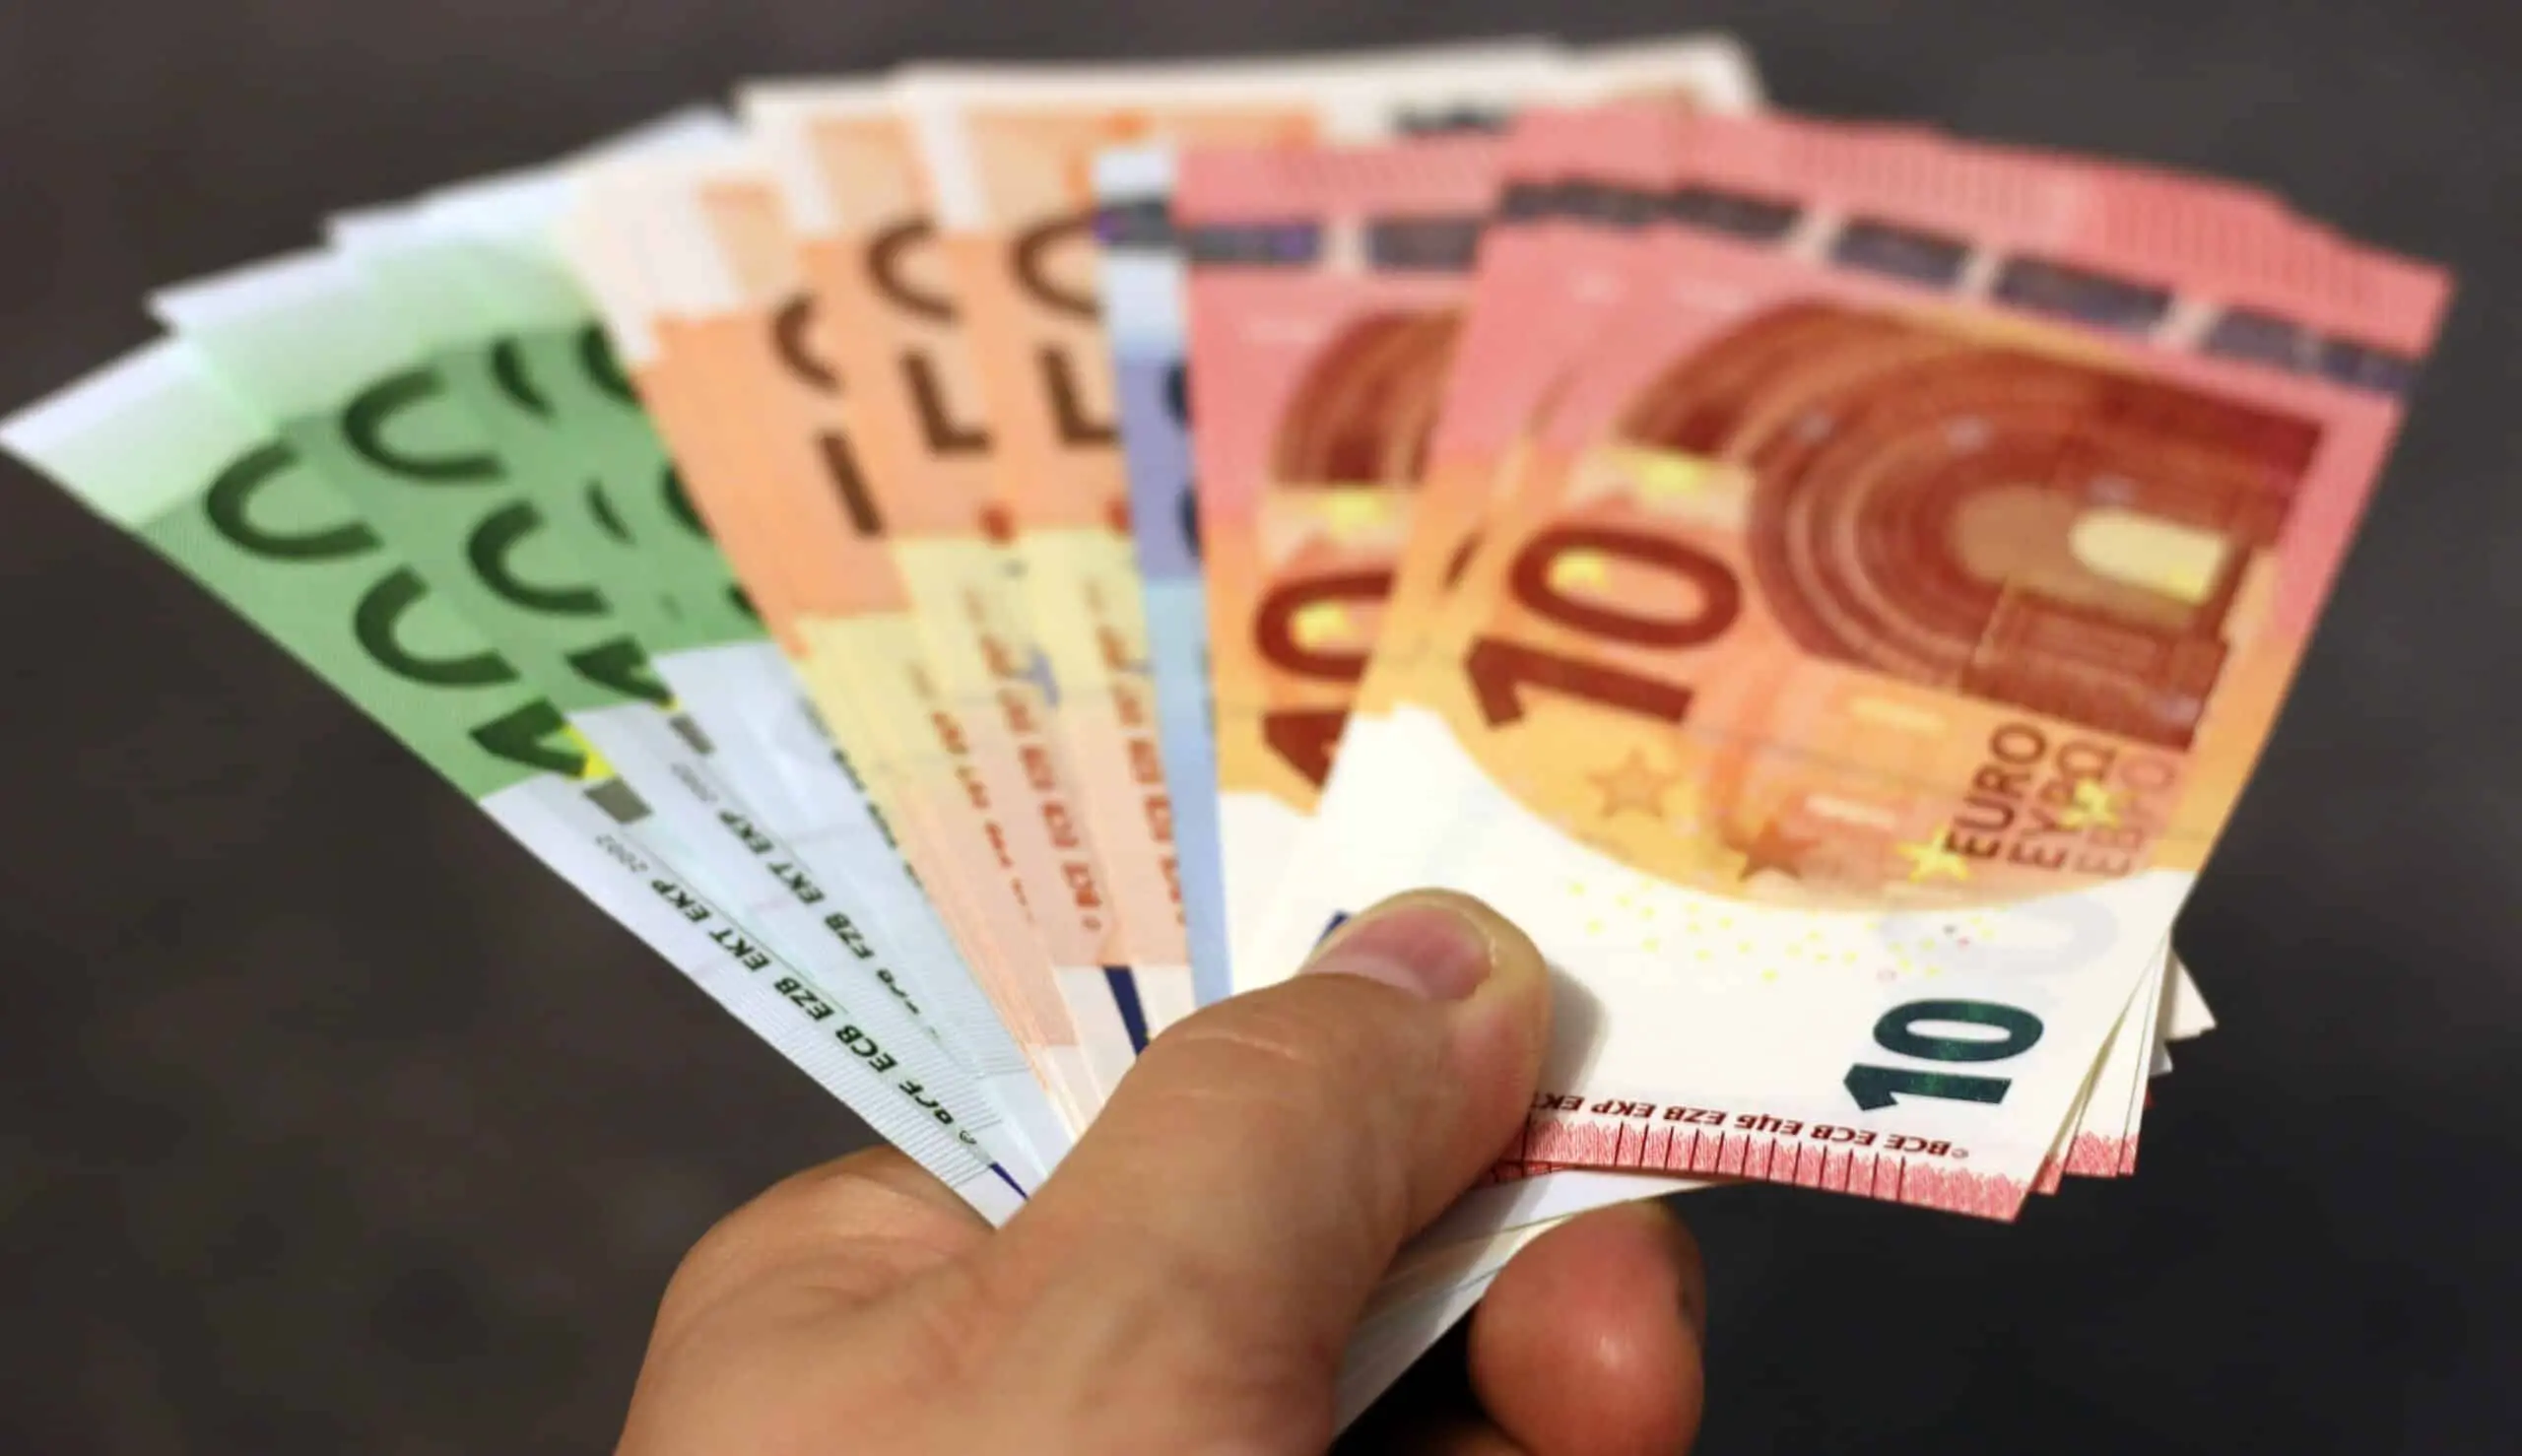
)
(1634, 785)
(1320, 623)
(1352, 514)
(2094, 806)
(1663, 479)
(1579, 569)
(595, 769)
(1936, 857)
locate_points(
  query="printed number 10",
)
(1500, 670)
(1875, 1087)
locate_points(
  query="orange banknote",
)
(870, 257)
(770, 458)
(1326, 292)
(1008, 158)
(1878, 633)
(1008, 162)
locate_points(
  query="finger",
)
(1589, 1342)
(1259, 1167)
(832, 1235)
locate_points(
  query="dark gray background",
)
(332, 1123)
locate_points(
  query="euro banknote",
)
(735, 308)
(1008, 161)
(1142, 285)
(1325, 299)
(1551, 293)
(1685, 687)
(159, 447)
(373, 408)
(602, 481)
(845, 163)
(1009, 158)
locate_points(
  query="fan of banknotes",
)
(973, 565)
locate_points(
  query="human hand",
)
(1185, 1282)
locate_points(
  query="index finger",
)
(1589, 1343)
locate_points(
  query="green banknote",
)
(159, 446)
(474, 273)
(306, 342)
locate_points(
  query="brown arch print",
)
(1915, 489)
(1363, 411)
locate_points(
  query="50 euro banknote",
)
(729, 359)
(858, 182)
(1875, 635)
(858, 189)
(853, 188)
(854, 174)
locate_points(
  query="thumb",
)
(1257, 1169)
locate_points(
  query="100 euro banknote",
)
(370, 387)
(158, 446)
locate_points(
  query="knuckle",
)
(737, 1242)
(763, 1222)
(841, 1225)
